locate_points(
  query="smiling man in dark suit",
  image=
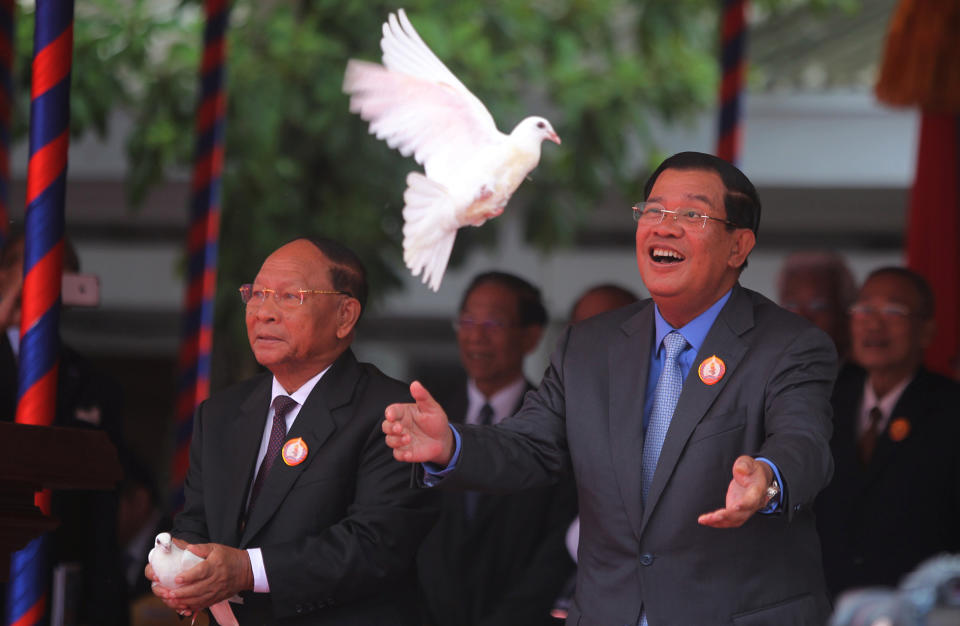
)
(496, 560)
(652, 407)
(895, 498)
(291, 494)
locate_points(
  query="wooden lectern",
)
(38, 457)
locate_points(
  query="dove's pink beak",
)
(554, 137)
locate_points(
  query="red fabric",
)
(933, 231)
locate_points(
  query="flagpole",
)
(733, 65)
(42, 269)
(193, 383)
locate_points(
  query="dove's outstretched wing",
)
(417, 105)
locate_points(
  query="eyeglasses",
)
(287, 299)
(467, 324)
(890, 311)
(812, 306)
(651, 213)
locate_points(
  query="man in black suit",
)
(895, 495)
(294, 498)
(697, 426)
(500, 559)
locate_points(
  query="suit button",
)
(299, 608)
(646, 559)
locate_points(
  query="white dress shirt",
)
(260, 583)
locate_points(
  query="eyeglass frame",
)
(487, 326)
(276, 294)
(639, 212)
(889, 311)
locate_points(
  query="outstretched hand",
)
(419, 432)
(746, 494)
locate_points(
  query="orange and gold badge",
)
(294, 452)
(712, 370)
(899, 429)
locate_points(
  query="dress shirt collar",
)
(886, 404)
(503, 402)
(695, 331)
(301, 394)
(13, 336)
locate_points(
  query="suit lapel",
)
(245, 438)
(314, 424)
(696, 398)
(908, 406)
(629, 365)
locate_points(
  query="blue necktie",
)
(664, 402)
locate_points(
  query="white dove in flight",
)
(168, 560)
(419, 107)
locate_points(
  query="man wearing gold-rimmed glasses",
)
(291, 495)
(696, 424)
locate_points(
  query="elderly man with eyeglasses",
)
(895, 497)
(696, 424)
(495, 558)
(292, 496)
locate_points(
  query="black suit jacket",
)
(772, 401)
(878, 522)
(339, 531)
(507, 564)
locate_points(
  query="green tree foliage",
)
(298, 162)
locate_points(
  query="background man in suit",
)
(895, 496)
(666, 535)
(306, 513)
(496, 559)
(818, 285)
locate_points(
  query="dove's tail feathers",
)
(430, 227)
(223, 613)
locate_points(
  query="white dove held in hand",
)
(168, 561)
(471, 169)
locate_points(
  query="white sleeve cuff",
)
(260, 584)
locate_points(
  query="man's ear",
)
(347, 315)
(743, 242)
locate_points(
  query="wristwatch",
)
(773, 490)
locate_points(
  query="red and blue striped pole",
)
(6, 107)
(193, 384)
(733, 67)
(42, 269)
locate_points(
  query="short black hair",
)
(530, 306)
(919, 284)
(347, 272)
(741, 201)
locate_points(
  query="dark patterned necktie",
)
(868, 440)
(471, 499)
(281, 406)
(485, 417)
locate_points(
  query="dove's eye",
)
(541, 125)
